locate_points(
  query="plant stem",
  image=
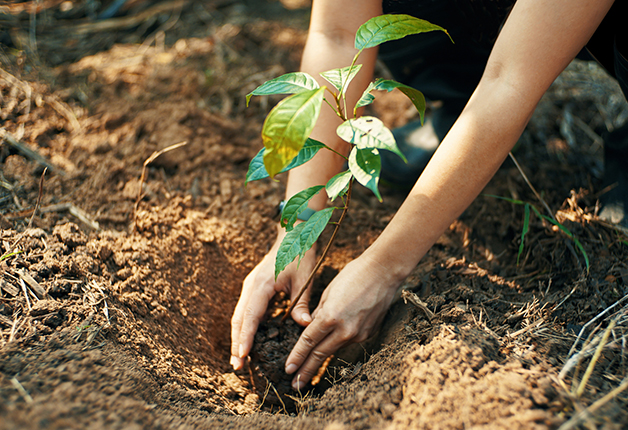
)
(336, 152)
(323, 255)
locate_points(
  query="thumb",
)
(301, 312)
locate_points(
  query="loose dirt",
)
(115, 314)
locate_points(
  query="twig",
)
(409, 296)
(30, 222)
(73, 210)
(589, 411)
(279, 397)
(60, 207)
(28, 152)
(125, 22)
(525, 178)
(64, 111)
(323, 255)
(598, 352)
(20, 389)
(13, 330)
(149, 160)
(31, 7)
(28, 302)
(569, 363)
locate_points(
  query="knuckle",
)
(307, 340)
(348, 333)
(361, 337)
(318, 356)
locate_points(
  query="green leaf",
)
(257, 170)
(290, 83)
(296, 205)
(289, 249)
(340, 78)
(513, 201)
(366, 99)
(369, 132)
(366, 166)
(526, 228)
(288, 126)
(313, 228)
(416, 97)
(384, 28)
(338, 184)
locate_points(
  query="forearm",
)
(464, 163)
(536, 44)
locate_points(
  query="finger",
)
(301, 312)
(253, 314)
(236, 327)
(309, 339)
(238, 317)
(315, 360)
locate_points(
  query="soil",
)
(115, 313)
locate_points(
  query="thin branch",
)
(323, 255)
(525, 178)
(28, 152)
(588, 412)
(149, 160)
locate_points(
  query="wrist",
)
(391, 269)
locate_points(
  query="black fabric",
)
(430, 62)
(449, 72)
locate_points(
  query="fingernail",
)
(290, 368)
(306, 317)
(233, 361)
(241, 351)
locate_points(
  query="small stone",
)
(387, 410)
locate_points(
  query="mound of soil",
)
(116, 294)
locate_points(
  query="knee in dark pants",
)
(615, 200)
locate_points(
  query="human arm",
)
(537, 42)
(329, 45)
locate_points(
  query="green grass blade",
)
(513, 201)
(9, 255)
(526, 228)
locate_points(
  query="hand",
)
(350, 310)
(258, 289)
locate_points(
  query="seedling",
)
(287, 127)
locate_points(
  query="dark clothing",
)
(450, 71)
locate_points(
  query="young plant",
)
(287, 127)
